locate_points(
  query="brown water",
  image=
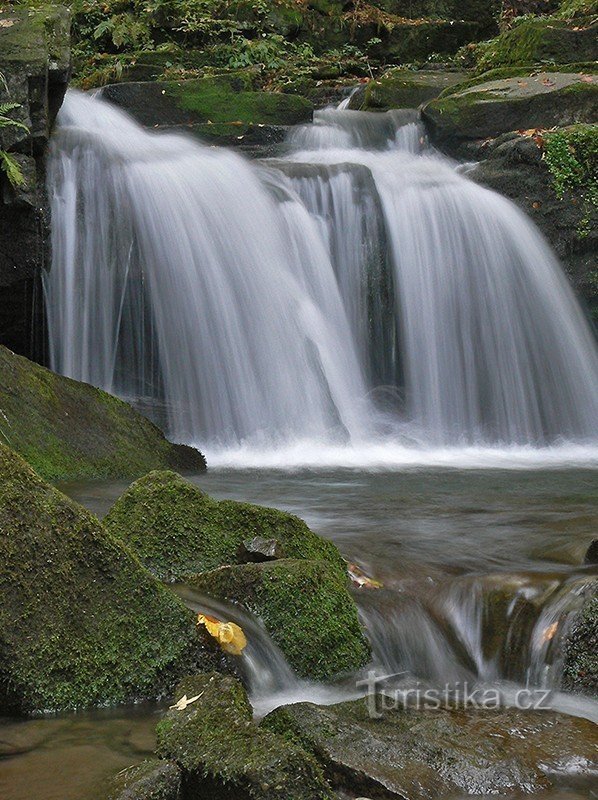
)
(443, 541)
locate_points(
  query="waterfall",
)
(358, 290)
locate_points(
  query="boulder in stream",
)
(403, 88)
(69, 430)
(580, 670)
(178, 530)
(82, 623)
(151, 780)
(223, 754)
(306, 608)
(411, 754)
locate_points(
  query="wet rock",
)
(223, 754)
(225, 99)
(414, 754)
(34, 63)
(305, 607)
(82, 623)
(178, 530)
(494, 107)
(67, 429)
(591, 556)
(151, 780)
(259, 549)
(580, 670)
(403, 88)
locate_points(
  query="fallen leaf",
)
(229, 636)
(549, 632)
(182, 704)
(360, 579)
(548, 82)
(6, 23)
(536, 204)
(587, 79)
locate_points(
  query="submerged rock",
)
(488, 108)
(591, 556)
(413, 754)
(580, 669)
(223, 754)
(150, 780)
(81, 622)
(178, 530)
(66, 429)
(403, 88)
(224, 99)
(305, 607)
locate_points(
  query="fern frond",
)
(11, 167)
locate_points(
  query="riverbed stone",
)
(403, 88)
(224, 99)
(67, 429)
(176, 529)
(82, 623)
(496, 106)
(580, 670)
(222, 752)
(591, 556)
(305, 607)
(151, 780)
(414, 754)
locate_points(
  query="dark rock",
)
(580, 671)
(259, 549)
(491, 108)
(591, 556)
(151, 780)
(412, 754)
(223, 754)
(67, 429)
(35, 63)
(403, 88)
(225, 99)
(82, 623)
(305, 607)
(177, 530)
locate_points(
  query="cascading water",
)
(357, 292)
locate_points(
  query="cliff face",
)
(34, 72)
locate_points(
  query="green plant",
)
(8, 163)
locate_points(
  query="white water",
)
(359, 302)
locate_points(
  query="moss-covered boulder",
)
(493, 107)
(305, 607)
(405, 752)
(403, 88)
(222, 99)
(67, 429)
(150, 780)
(539, 41)
(175, 529)
(580, 671)
(81, 621)
(223, 754)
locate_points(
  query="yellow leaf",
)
(360, 579)
(229, 636)
(182, 704)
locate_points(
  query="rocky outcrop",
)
(223, 754)
(404, 752)
(580, 671)
(403, 88)
(175, 529)
(304, 605)
(34, 65)
(150, 780)
(67, 429)
(81, 622)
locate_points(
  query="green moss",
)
(223, 754)
(67, 429)
(571, 155)
(306, 608)
(574, 9)
(176, 529)
(401, 88)
(225, 99)
(150, 780)
(81, 622)
(580, 672)
(585, 67)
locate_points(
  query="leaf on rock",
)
(360, 579)
(182, 704)
(229, 636)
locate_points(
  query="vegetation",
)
(8, 163)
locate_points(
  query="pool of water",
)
(439, 539)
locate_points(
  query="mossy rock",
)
(66, 429)
(150, 780)
(82, 623)
(175, 529)
(223, 754)
(403, 88)
(305, 607)
(580, 671)
(222, 99)
(494, 107)
(377, 750)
